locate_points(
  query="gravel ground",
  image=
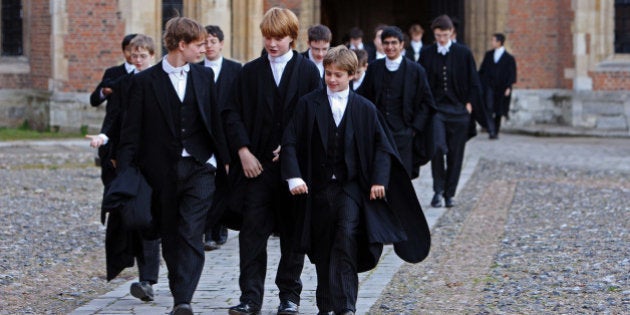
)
(51, 239)
(541, 227)
(559, 246)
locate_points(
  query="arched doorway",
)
(341, 16)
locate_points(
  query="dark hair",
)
(362, 56)
(319, 33)
(127, 40)
(442, 22)
(215, 31)
(355, 33)
(500, 38)
(392, 31)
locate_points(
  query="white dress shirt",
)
(416, 46)
(338, 102)
(498, 53)
(444, 49)
(278, 64)
(393, 65)
(355, 47)
(215, 65)
(320, 65)
(179, 76)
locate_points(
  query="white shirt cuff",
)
(294, 182)
(104, 138)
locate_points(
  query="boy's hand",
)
(95, 140)
(377, 192)
(299, 190)
(251, 166)
(276, 154)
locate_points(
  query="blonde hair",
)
(143, 41)
(343, 58)
(280, 23)
(182, 29)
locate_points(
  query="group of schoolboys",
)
(285, 145)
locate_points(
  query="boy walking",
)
(173, 134)
(399, 88)
(265, 95)
(338, 156)
(225, 72)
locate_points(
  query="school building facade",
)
(573, 56)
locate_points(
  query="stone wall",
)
(606, 111)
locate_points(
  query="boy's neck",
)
(175, 59)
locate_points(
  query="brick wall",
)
(610, 80)
(293, 5)
(541, 41)
(95, 30)
(40, 55)
(14, 80)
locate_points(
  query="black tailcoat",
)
(400, 219)
(499, 77)
(150, 140)
(227, 75)
(249, 115)
(464, 78)
(110, 74)
(418, 103)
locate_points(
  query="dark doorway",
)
(341, 16)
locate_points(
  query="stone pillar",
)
(59, 31)
(583, 26)
(217, 12)
(484, 18)
(246, 39)
(144, 17)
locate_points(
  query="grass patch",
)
(25, 133)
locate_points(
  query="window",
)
(622, 26)
(170, 9)
(12, 28)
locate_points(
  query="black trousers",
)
(334, 226)
(149, 263)
(450, 134)
(404, 145)
(266, 204)
(182, 246)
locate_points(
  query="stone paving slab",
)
(218, 288)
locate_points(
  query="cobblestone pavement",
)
(540, 226)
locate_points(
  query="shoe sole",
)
(183, 312)
(235, 312)
(137, 292)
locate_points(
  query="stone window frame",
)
(603, 46)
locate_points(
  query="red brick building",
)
(573, 55)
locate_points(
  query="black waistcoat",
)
(330, 161)
(191, 130)
(392, 98)
(280, 92)
(445, 97)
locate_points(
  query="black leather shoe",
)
(182, 309)
(436, 202)
(347, 313)
(449, 202)
(287, 307)
(326, 313)
(493, 136)
(210, 245)
(142, 290)
(244, 309)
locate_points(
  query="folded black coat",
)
(130, 195)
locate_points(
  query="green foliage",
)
(25, 132)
